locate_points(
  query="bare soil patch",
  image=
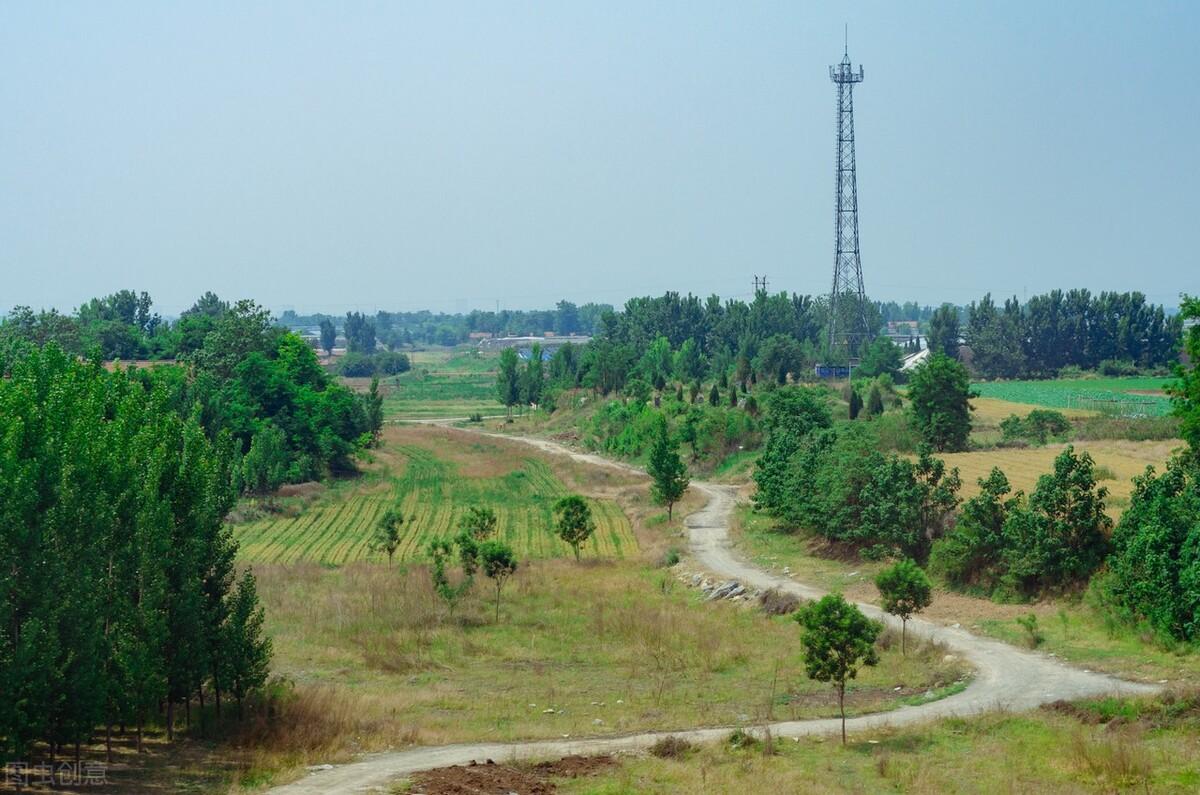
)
(490, 778)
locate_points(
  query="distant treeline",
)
(394, 329)
(1069, 329)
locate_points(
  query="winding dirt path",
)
(1005, 677)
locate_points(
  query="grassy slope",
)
(609, 647)
(1144, 750)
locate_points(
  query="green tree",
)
(689, 361)
(714, 396)
(1061, 537)
(1185, 391)
(387, 533)
(855, 404)
(791, 413)
(1154, 569)
(904, 590)
(883, 356)
(328, 335)
(574, 521)
(971, 554)
(939, 393)
(441, 553)
(667, 470)
(533, 380)
(838, 640)
(248, 649)
(874, 401)
(944, 331)
(479, 523)
(498, 563)
(508, 380)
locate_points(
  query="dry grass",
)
(990, 411)
(1115, 759)
(1122, 460)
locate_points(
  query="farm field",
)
(1127, 396)
(436, 474)
(443, 383)
(1121, 460)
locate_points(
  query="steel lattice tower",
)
(847, 300)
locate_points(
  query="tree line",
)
(1109, 331)
(395, 329)
(119, 600)
(831, 479)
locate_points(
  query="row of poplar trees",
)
(119, 599)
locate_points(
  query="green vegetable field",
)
(1122, 396)
(433, 496)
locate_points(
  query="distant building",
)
(527, 343)
(480, 335)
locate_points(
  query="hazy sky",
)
(451, 155)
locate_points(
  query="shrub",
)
(671, 747)
(777, 602)
(1154, 570)
(1038, 426)
(1033, 633)
(363, 365)
(1117, 367)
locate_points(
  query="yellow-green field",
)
(436, 474)
(1123, 460)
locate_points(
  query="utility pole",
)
(760, 284)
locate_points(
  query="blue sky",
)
(459, 155)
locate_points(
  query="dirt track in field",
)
(1005, 677)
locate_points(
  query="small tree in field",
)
(575, 525)
(441, 550)
(479, 523)
(904, 589)
(667, 469)
(498, 563)
(838, 639)
(387, 533)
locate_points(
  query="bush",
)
(671, 747)
(1154, 570)
(777, 602)
(363, 365)
(1117, 367)
(1037, 426)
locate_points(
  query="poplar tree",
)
(667, 469)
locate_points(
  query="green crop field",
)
(433, 492)
(1123, 396)
(443, 384)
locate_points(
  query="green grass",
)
(1084, 393)
(1042, 751)
(434, 492)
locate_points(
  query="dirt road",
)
(1005, 677)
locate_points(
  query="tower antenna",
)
(848, 328)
